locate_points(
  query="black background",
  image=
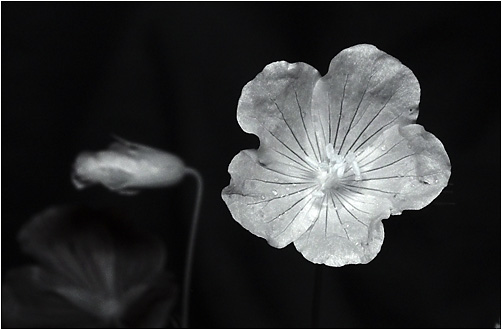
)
(170, 74)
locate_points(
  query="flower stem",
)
(316, 297)
(190, 248)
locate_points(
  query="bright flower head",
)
(337, 155)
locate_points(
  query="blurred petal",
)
(92, 260)
(26, 303)
(93, 240)
(154, 308)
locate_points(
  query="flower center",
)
(333, 170)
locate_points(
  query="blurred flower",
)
(338, 154)
(93, 271)
(126, 167)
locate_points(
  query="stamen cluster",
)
(335, 169)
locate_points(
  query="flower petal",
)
(91, 256)
(155, 306)
(348, 230)
(406, 165)
(31, 298)
(364, 92)
(276, 106)
(27, 303)
(269, 202)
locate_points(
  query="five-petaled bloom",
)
(127, 167)
(337, 155)
(93, 271)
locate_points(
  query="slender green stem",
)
(190, 248)
(316, 297)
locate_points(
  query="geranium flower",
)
(93, 272)
(337, 155)
(127, 167)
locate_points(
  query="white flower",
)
(126, 167)
(338, 154)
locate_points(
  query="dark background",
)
(170, 74)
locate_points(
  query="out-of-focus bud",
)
(127, 167)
